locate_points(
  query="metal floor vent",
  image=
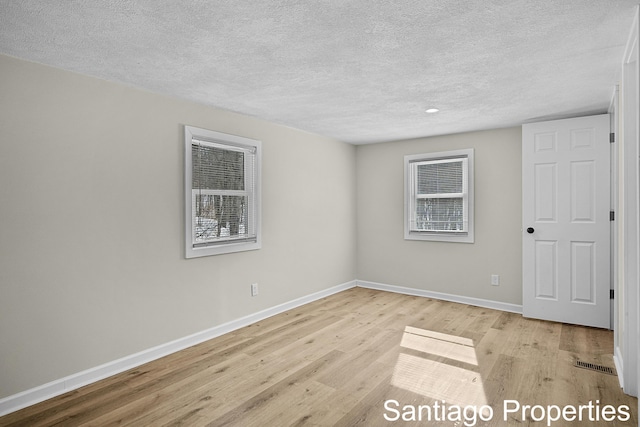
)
(594, 367)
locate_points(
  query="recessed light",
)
(432, 110)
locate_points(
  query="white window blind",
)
(438, 196)
(223, 194)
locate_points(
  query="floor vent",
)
(594, 367)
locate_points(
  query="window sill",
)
(439, 237)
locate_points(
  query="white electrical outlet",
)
(254, 289)
(495, 280)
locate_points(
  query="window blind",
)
(438, 177)
(223, 193)
(440, 195)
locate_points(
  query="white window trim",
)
(409, 197)
(228, 142)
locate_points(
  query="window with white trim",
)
(439, 196)
(222, 193)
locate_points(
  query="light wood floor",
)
(338, 360)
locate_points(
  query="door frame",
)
(626, 342)
(613, 180)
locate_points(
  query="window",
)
(222, 193)
(439, 196)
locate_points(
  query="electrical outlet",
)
(495, 280)
(254, 289)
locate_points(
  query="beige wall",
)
(91, 207)
(454, 268)
(91, 236)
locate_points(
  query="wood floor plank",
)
(359, 357)
(246, 381)
(366, 412)
(336, 361)
(277, 391)
(581, 340)
(167, 401)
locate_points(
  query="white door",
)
(565, 211)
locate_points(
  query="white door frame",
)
(614, 114)
(627, 346)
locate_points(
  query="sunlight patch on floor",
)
(439, 380)
(451, 347)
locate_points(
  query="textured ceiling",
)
(360, 71)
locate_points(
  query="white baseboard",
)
(617, 361)
(478, 302)
(63, 385)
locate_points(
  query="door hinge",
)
(612, 215)
(612, 137)
(611, 294)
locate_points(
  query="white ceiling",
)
(360, 71)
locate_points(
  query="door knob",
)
(530, 230)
